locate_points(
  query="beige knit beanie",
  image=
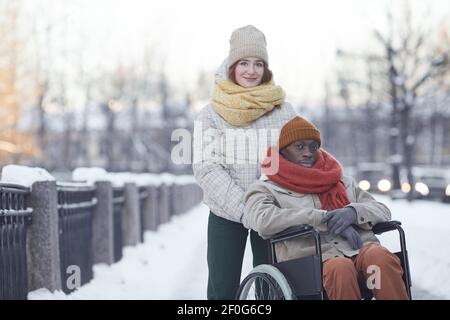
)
(298, 129)
(245, 42)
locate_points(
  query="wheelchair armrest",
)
(383, 227)
(291, 232)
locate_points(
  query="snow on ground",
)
(171, 264)
(427, 229)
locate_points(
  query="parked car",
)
(429, 183)
(432, 183)
(373, 176)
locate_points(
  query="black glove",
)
(353, 237)
(339, 219)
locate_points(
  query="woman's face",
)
(249, 72)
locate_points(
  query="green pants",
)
(226, 246)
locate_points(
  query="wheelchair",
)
(301, 279)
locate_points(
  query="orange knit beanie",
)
(298, 129)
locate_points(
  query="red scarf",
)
(324, 178)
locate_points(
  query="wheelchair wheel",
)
(265, 282)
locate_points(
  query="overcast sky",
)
(190, 36)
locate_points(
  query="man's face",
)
(302, 152)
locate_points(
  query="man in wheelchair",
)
(309, 188)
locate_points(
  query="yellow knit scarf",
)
(241, 106)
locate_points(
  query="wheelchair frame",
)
(279, 275)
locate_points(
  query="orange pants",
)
(340, 275)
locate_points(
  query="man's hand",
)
(353, 237)
(339, 219)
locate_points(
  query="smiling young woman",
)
(244, 98)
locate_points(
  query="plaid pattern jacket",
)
(227, 159)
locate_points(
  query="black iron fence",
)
(75, 225)
(14, 218)
(118, 206)
(143, 196)
(76, 205)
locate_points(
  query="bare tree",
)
(14, 143)
(408, 61)
(412, 62)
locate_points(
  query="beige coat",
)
(270, 208)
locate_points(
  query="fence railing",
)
(52, 233)
(76, 207)
(118, 205)
(14, 218)
(143, 198)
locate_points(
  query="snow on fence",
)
(52, 233)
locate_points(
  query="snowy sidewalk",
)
(171, 264)
(427, 229)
